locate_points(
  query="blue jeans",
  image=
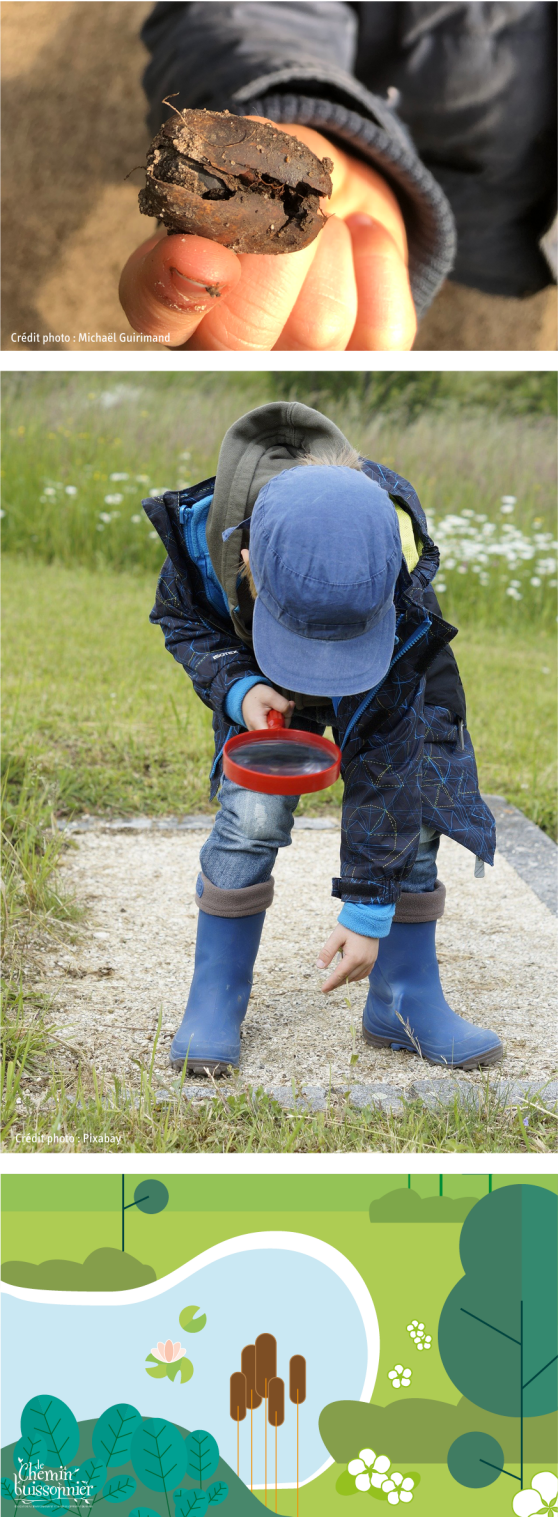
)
(250, 828)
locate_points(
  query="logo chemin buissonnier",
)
(32, 1482)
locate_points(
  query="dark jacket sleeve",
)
(295, 63)
(213, 657)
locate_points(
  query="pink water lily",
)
(168, 1352)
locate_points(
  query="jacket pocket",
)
(440, 726)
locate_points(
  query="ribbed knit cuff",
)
(426, 906)
(429, 222)
(246, 902)
(235, 697)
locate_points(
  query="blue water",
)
(93, 1356)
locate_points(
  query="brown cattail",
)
(238, 1408)
(276, 1401)
(266, 1370)
(248, 1366)
(266, 1361)
(297, 1393)
(238, 1396)
(297, 1379)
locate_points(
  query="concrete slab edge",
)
(389, 1098)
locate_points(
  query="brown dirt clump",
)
(241, 183)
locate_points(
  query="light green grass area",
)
(111, 723)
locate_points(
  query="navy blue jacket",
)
(407, 754)
(452, 102)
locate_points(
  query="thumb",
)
(328, 952)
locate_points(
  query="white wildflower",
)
(399, 1377)
(541, 1498)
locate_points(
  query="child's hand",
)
(359, 956)
(261, 699)
(348, 290)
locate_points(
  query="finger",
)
(253, 316)
(342, 974)
(325, 313)
(333, 945)
(170, 283)
(386, 317)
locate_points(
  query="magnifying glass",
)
(281, 762)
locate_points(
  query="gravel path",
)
(496, 944)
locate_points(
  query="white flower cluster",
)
(468, 541)
(370, 1472)
(416, 1332)
(399, 1377)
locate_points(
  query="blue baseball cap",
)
(325, 553)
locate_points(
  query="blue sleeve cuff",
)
(371, 921)
(235, 697)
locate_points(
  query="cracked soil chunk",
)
(238, 182)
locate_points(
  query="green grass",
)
(101, 719)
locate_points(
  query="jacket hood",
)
(258, 446)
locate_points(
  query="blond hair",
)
(334, 455)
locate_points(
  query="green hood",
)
(258, 446)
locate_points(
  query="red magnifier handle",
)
(275, 720)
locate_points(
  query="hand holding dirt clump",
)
(235, 181)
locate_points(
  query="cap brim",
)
(312, 667)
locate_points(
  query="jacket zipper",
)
(420, 632)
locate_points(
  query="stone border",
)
(390, 1098)
(528, 849)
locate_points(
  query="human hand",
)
(261, 699)
(359, 956)
(348, 290)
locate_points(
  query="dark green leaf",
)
(217, 1493)
(119, 1489)
(29, 1450)
(49, 1420)
(158, 1454)
(8, 1490)
(202, 1455)
(92, 1473)
(186, 1320)
(194, 1502)
(113, 1433)
(151, 1197)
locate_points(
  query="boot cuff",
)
(423, 906)
(233, 903)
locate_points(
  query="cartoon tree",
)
(149, 1197)
(498, 1331)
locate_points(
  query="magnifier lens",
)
(282, 758)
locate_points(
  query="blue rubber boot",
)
(406, 1006)
(208, 1038)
